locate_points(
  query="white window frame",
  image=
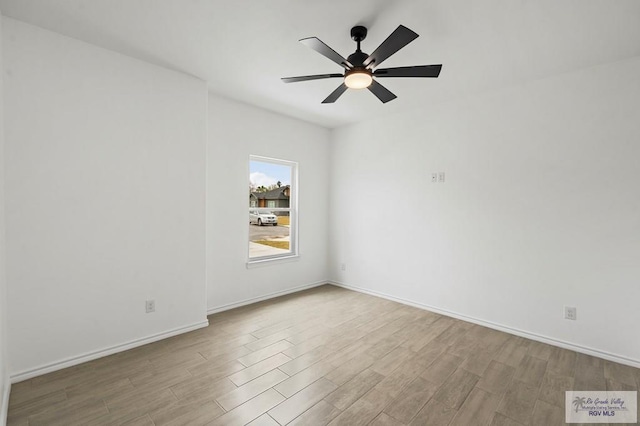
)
(293, 215)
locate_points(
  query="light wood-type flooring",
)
(322, 356)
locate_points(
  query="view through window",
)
(272, 214)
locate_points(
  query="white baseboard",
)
(533, 336)
(234, 305)
(4, 408)
(89, 356)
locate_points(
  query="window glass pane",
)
(269, 209)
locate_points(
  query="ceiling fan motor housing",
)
(358, 33)
(357, 58)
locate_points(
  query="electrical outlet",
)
(343, 267)
(150, 306)
(570, 313)
(434, 177)
(441, 177)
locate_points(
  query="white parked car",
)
(262, 218)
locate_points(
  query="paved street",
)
(267, 232)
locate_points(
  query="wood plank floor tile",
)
(434, 413)
(620, 373)
(220, 358)
(62, 378)
(466, 346)
(205, 381)
(342, 397)
(183, 359)
(296, 365)
(429, 353)
(29, 405)
(307, 334)
(452, 334)
(513, 351)
(258, 369)
(502, 420)
(132, 405)
(384, 419)
(531, 370)
(478, 362)
(350, 369)
(140, 421)
(477, 409)
(320, 414)
(23, 393)
(492, 341)
(303, 379)
(428, 334)
(155, 378)
(250, 410)
(264, 420)
(320, 356)
(440, 370)
(232, 344)
(238, 396)
(392, 360)
(546, 414)
(308, 345)
(301, 401)
(519, 401)
(105, 388)
(589, 383)
(380, 348)
(411, 400)
(553, 388)
(613, 385)
(562, 361)
(206, 393)
(75, 413)
(455, 390)
(264, 353)
(540, 350)
(394, 383)
(363, 410)
(184, 412)
(496, 378)
(199, 414)
(588, 367)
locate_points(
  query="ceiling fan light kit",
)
(361, 68)
(356, 79)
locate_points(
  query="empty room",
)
(413, 212)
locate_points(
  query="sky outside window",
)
(268, 174)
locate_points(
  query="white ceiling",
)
(242, 48)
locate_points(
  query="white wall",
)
(236, 131)
(540, 208)
(105, 198)
(4, 372)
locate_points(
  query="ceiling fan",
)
(361, 68)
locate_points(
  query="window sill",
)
(258, 263)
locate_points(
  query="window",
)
(272, 208)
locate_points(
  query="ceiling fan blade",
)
(310, 77)
(396, 41)
(381, 92)
(318, 45)
(415, 71)
(335, 94)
